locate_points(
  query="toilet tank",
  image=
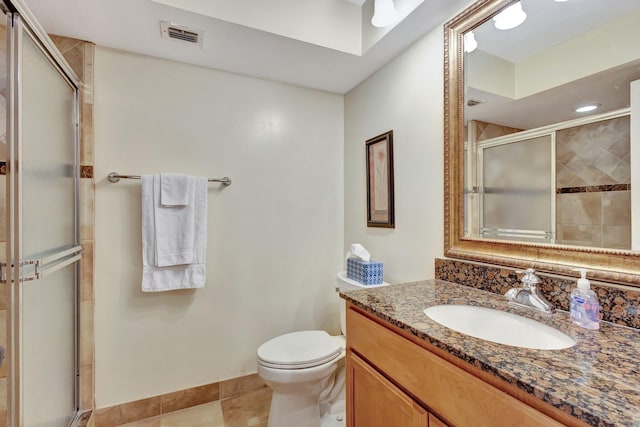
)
(346, 284)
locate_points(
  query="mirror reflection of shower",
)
(566, 183)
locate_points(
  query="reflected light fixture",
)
(510, 17)
(470, 43)
(384, 13)
(587, 108)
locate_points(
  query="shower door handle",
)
(46, 264)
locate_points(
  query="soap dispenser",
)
(585, 309)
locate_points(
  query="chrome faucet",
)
(527, 295)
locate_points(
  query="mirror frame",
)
(606, 265)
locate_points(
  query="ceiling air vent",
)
(473, 102)
(177, 32)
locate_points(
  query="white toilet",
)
(306, 372)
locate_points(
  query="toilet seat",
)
(299, 350)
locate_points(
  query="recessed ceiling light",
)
(586, 108)
(560, 1)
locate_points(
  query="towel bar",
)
(114, 177)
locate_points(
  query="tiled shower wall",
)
(80, 55)
(481, 131)
(593, 175)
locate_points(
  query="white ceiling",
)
(550, 23)
(133, 25)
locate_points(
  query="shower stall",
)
(40, 270)
(566, 183)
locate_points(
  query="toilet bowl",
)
(300, 367)
(305, 371)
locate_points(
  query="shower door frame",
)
(21, 23)
(544, 236)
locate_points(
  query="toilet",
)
(306, 372)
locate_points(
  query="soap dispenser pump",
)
(584, 306)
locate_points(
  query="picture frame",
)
(380, 200)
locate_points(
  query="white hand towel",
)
(174, 224)
(156, 277)
(176, 189)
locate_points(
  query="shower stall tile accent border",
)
(594, 188)
(86, 171)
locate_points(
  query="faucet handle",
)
(529, 277)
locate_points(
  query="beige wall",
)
(275, 236)
(611, 45)
(490, 73)
(406, 96)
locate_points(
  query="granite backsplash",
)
(618, 305)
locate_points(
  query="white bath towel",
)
(174, 238)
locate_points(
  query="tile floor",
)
(246, 410)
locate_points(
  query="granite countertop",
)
(597, 380)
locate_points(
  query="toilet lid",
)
(298, 350)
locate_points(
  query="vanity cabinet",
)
(376, 402)
(393, 379)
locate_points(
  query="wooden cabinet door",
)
(373, 401)
(435, 421)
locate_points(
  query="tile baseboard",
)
(170, 402)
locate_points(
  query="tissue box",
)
(365, 272)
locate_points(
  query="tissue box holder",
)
(365, 272)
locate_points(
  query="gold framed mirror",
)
(615, 263)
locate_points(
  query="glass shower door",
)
(517, 188)
(44, 241)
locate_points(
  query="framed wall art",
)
(380, 209)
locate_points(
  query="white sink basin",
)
(499, 326)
